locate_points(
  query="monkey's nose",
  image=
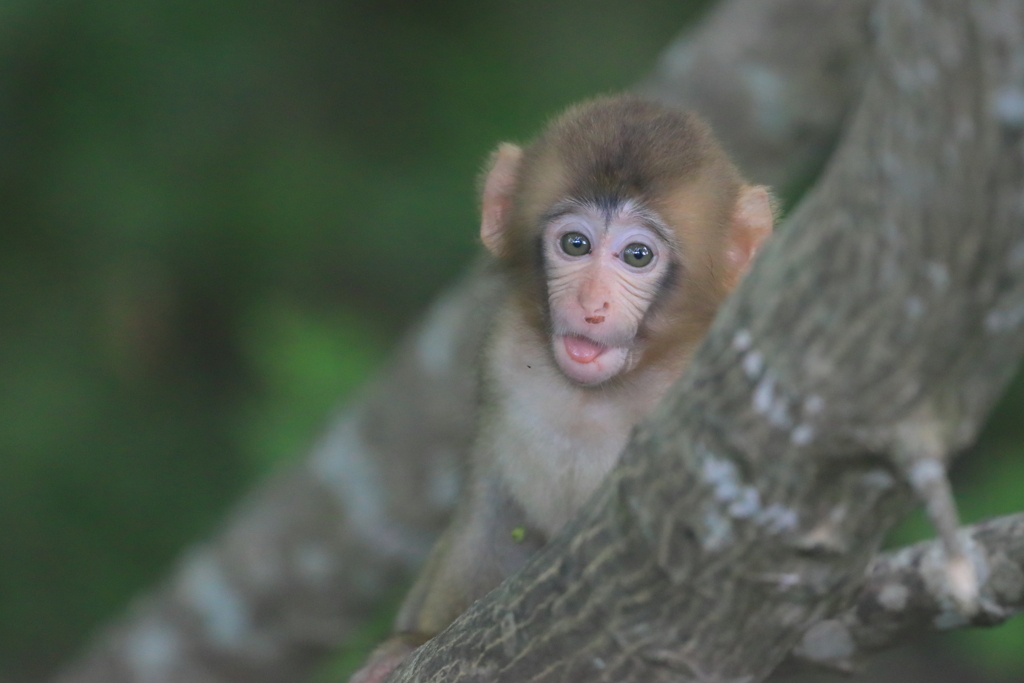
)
(594, 303)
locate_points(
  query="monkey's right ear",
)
(753, 219)
(497, 197)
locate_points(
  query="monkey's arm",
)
(487, 541)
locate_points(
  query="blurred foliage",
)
(214, 219)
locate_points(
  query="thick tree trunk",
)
(893, 293)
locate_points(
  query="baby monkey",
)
(621, 229)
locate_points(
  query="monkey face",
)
(643, 226)
(603, 268)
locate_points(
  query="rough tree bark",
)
(298, 564)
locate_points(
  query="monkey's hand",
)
(386, 657)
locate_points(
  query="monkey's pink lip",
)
(587, 361)
(581, 349)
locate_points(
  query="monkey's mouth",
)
(587, 361)
(583, 350)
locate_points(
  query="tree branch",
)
(776, 80)
(887, 310)
(302, 562)
(905, 594)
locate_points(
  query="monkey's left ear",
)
(752, 221)
(497, 196)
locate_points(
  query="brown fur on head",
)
(624, 151)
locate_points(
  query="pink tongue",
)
(582, 350)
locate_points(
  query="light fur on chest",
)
(553, 441)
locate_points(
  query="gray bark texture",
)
(885, 314)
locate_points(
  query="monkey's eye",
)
(637, 255)
(575, 244)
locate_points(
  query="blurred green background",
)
(215, 218)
